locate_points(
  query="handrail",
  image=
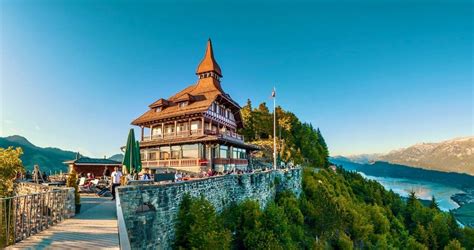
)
(25, 215)
(124, 241)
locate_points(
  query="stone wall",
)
(149, 211)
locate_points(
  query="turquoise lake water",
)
(423, 189)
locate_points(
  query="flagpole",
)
(274, 129)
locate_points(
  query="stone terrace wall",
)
(154, 229)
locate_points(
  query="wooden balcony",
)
(172, 163)
(194, 133)
(190, 162)
(224, 161)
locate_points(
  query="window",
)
(169, 129)
(152, 156)
(182, 127)
(223, 151)
(214, 107)
(156, 131)
(190, 151)
(182, 104)
(175, 152)
(222, 111)
(195, 125)
(158, 109)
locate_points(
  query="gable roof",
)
(159, 103)
(93, 161)
(200, 97)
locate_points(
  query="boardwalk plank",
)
(94, 228)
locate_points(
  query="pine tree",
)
(433, 204)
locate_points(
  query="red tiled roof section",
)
(209, 64)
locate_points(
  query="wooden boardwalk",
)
(94, 228)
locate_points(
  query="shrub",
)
(72, 182)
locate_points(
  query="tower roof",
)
(208, 63)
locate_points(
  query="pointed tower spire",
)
(208, 66)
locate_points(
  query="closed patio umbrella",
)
(131, 161)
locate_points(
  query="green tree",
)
(198, 227)
(434, 204)
(248, 130)
(10, 166)
(454, 245)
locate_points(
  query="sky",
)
(372, 75)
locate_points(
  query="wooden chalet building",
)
(195, 129)
(95, 166)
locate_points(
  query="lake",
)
(423, 189)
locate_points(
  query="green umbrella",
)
(131, 160)
(138, 167)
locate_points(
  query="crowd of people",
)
(106, 184)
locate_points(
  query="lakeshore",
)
(460, 201)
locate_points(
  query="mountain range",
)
(48, 158)
(456, 155)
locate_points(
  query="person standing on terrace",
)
(116, 176)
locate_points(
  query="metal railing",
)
(25, 215)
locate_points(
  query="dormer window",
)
(158, 109)
(182, 104)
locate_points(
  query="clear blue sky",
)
(372, 75)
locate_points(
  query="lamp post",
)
(274, 129)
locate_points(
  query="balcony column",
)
(202, 125)
(162, 130)
(175, 128)
(151, 131)
(189, 126)
(142, 131)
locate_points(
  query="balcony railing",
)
(191, 162)
(224, 161)
(195, 132)
(172, 163)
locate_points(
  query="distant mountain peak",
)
(454, 155)
(48, 158)
(20, 140)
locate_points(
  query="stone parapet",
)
(149, 211)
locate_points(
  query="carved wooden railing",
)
(171, 163)
(230, 161)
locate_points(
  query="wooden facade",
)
(85, 165)
(195, 129)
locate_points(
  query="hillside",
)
(455, 155)
(336, 210)
(47, 158)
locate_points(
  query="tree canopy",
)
(297, 142)
(10, 166)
